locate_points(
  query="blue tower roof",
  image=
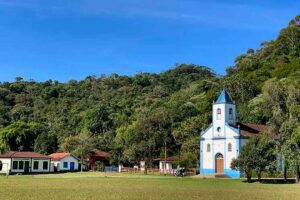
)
(224, 98)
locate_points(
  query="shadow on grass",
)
(273, 181)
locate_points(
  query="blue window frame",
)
(65, 164)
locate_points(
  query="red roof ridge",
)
(100, 153)
(23, 154)
(61, 155)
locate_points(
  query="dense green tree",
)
(256, 155)
(45, 143)
(20, 136)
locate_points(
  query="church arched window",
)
(219, 113)
(230, 113)
(229, 147)
(208, 148)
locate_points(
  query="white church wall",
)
(230, 154)
(230, 133)
(208, 134)
(207, 156)
(218, 147)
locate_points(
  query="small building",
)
(167, 165)
(24, 163)
(64, 162)
(97, 157)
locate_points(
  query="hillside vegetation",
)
(138, 117)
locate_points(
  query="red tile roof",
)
(248, 130)
(23, 154)
(99, 153)
(59, 156)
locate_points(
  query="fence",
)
(138, 170)
(111, 169)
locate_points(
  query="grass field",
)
(122, 186)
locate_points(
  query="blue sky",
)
(71, 39)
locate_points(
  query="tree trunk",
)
(259, 176)
(297, 173)
(285, 173)
(146, 168)
(249, 178)
(248, 175)
(81, 162)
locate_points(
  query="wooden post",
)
(165, 165)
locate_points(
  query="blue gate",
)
(111, 169)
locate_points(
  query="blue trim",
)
(237, 147)
(218, 138)
(232, 173)
(225, 117)
(203, 132)
(228, 172)
(207, 171)
(237, 131)
(213, 148)
(201, 155)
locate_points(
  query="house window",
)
(1, 165)
(229, 147)
(36, 165)
(218, 113)
(65, 164)
(230, 113)
(45, 165)
(15, 164)
(21, 165)
(208, 148)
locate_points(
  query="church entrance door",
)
(219, 164)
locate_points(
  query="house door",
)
(26, 167)
(219, 164)
(72, 166)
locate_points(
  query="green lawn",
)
(120, 186)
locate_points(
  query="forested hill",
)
(135, 117)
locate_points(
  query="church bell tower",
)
(224, 112)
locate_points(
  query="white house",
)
(64, 162)
(223, 139)
(25, 163)
(167, 165)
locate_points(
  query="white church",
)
(223, 139)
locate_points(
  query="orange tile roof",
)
(59, 156)
(23, 154)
